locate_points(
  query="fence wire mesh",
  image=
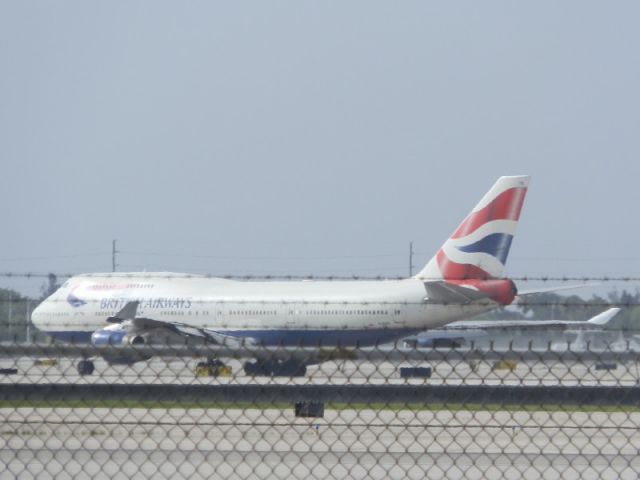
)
(143, 380)
(493, 411)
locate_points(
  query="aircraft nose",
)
(36, 315)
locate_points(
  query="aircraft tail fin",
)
(479, 247)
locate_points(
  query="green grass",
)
(157, 404)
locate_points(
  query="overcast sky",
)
(314, 137)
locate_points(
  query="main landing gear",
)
(85, 367)
(275, 368)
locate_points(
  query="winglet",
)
(605, 317)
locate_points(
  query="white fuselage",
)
(287, 313)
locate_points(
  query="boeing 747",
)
(463, 279)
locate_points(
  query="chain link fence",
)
(113, 403)
(503, 410)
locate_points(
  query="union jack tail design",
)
(479, 247)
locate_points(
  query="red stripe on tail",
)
(505, 206)
(457, 271)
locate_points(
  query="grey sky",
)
(273, 137)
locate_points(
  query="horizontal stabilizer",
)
(443, 293)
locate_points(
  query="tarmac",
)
(182, 371)
(122, 443)
(272, 443)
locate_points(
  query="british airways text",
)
(158, 302)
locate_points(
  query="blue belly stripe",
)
(287, 338)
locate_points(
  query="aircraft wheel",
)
(85, 367)
(274, 368)
(260, 368)
(252, 368)
(292, 368)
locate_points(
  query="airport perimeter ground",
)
(123, 441)
(347, 443)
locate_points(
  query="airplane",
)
(463, 279)
(464, 332)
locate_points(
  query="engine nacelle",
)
(116, 335)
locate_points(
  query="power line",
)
(258, 257)
(52, 257)
(142, 274)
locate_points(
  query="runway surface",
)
(115, 443)
(182, 371)
(233, 443)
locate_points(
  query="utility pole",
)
(113, 256)
(411, 259)
(10, 311)
(28, 315)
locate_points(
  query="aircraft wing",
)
(142, 325)
(460, 333)
(128, 318)
(600, 320)
(534, 291)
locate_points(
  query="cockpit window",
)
(65, 284)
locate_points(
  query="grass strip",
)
(165, 405)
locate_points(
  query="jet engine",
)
(118, 334)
